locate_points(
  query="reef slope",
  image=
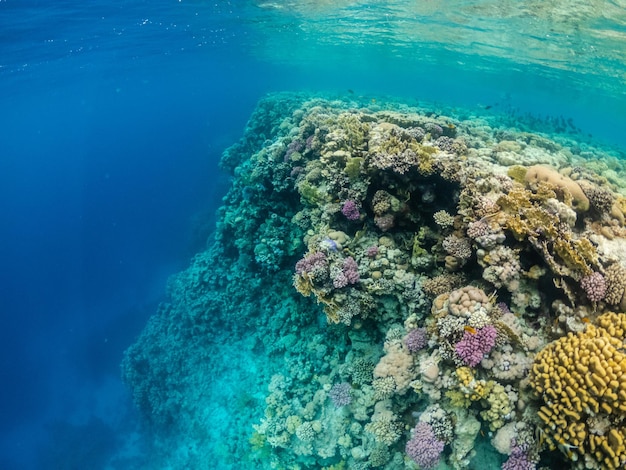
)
(396, 287)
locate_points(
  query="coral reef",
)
(411, 295)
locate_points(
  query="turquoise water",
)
(114, 119)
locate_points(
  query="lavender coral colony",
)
(428, 290)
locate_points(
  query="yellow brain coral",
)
(538, 173)
(582, 380)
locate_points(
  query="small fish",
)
(488, 106)
(585, 320)
(470, 329)
(451, 126)
(374, 100)
(350, 91)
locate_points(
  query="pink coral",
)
(594, 286)
(351, 270)
(312, 262)
(349, 274)
(480, 228)
(473, 346)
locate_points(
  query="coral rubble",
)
(417, 292)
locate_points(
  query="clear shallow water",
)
(113, 117)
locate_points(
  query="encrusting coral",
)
(436, 274)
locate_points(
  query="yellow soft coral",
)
(583, 376)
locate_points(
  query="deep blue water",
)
(108, 158)
(113, 116)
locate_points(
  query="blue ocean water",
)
(113, 117)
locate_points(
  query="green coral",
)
(517, 173)
(356, 131)
(458, 399)
(353, 167)
(338, 466)
(312, 194)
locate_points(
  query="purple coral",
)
(309, 142)
(311, 263)
(424, 447)
(295, 146)
(503, 307)
(341, 394)
(296, 171)
(445, 143)
(594, 286)
(351, 270)
(416, 339)
(350, 210)
(372, 251)
(519, 459)
(416, 132)
(473, 346)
